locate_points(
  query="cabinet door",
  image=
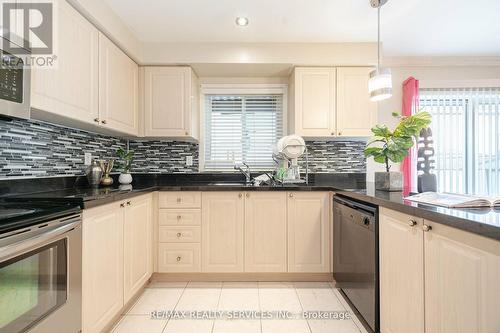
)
(102, 271)
(118, 88)
(462, 272)
(314, 102)
(168, 101)
(265, 232)
(356, 114)
(222, 231)
(401, 273)
(70, 89)
(309, 232)
(137, 263)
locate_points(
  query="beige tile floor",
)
(294, 298)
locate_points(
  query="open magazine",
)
(451, 200)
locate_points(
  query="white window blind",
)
(241, 128)
(466, 132)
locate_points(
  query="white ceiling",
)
(409, 27)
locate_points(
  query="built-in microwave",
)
(15, 80)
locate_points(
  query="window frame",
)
(237, 89)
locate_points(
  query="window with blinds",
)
(466, 132)
(241, 128)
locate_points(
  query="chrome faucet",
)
(246, 172)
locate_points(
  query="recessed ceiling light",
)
(242, 21)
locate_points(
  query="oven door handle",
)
(11, 250)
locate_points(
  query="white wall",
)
(430, 76)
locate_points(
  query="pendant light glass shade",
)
(380, 84)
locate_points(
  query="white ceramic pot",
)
(125, 178)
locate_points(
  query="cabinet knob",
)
(179, 258)
(179, 200)
(340, 133)
(128, 203)
(412, 222)
(426, 227)
(96, 120)
(179, 217)
(248, 195)
(240, 195)
(179, 235)
(122, 205)
(186, 133)
(333, 133)
(291, 195)
(103, 122)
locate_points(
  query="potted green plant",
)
(124, 164)
(393, 146)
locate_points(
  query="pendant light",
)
(380, 82)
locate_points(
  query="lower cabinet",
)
(309, 232)
(265, 232)
(222, 231)
(137, 240)
(102, 260)
(449, 277)
(116, 258)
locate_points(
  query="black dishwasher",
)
(355, 258)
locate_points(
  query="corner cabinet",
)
(70, 90)
(449, 277)
(329, 102)
(309, 232)
(118, 89)
(171, 103)
(116, 259)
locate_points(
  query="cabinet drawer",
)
(179, 257)
(180, 200)
(180, 234)
(180, 217)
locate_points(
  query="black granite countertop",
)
(484, 222)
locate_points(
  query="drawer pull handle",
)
(179, 217)
(179, 234)
(179, 258)
(179, 200)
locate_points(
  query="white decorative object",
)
(125, 178)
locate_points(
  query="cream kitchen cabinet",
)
(309, 232)
(265, 232)
(222, 231)
(137, 244)
(462, 271)
(401, 242)
(356, 114)
(69, 92)
(330, 102)
(171, 103)
(312, 108)
(102, 260)
(116, 258)
(449, 277)
(118, 89)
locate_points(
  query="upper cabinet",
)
(331, 102)
(313, 108)
(356, 114)
(118, 88)
(93, 86)
(69, 90)
(171, 103)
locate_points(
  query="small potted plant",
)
(393, 146)
(124, 163)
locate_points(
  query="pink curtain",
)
(410, 106)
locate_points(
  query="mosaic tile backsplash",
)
(30, 148)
